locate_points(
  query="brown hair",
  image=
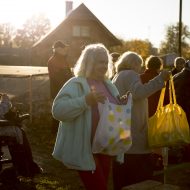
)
(153, 62)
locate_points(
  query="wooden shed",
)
(79, 28)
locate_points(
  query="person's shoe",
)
(36, 169)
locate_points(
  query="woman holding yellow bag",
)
(136, 166)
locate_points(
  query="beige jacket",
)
(129, 80)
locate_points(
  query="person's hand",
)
(123, 99)
(94, 97)
(165, 74)
(4, 97)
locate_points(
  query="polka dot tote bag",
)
(113, 133)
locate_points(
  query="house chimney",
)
(69, 7)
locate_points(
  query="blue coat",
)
(73, 142)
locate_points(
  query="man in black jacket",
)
(59, 72)
(179, 64)
(182, 91)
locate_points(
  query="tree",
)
(142, 47)
(7, 32)
(33, 29)
(171, 42)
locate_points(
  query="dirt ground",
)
(57, 177)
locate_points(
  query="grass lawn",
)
(58, 177)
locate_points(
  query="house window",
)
(83, 31)
(76, 30)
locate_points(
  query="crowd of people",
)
(99, 75)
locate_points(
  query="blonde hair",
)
(128, 60)
(87, 60)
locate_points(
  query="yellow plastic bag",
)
(169, 125)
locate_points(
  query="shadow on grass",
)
(58, 177)
(55, 176)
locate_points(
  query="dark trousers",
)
(22, 158)
(98, 179)
(136, 168)
(54, 125)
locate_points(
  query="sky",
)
(126, 19)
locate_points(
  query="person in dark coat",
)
(179, 64)
(59, 72)
(58, 68)
(19, 147)
(115, 57)
(153, 66)
(182, 91)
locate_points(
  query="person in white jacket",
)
(76, 108)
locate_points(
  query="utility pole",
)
(180, 26)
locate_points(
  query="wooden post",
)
(30, 97)
(180, 26)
